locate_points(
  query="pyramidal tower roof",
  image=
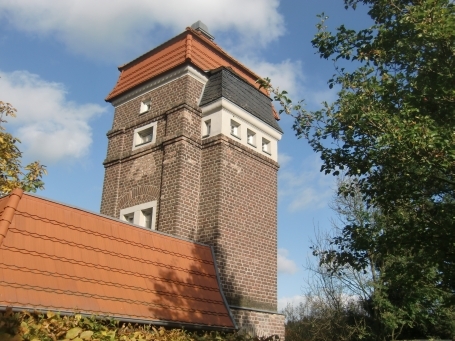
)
(194, 46)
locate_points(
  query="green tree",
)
(392, 128)
(12, 174)
(344, 300)
(362, 255)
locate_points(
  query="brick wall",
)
(174, 108)
(237, 216)
(258, 323)
(215, 191)
(179, 200)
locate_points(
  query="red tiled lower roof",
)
(59, 258)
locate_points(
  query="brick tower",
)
(193, 152)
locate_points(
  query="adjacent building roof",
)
(56, 257)
(191, 46)
(225, 83)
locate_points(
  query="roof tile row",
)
(189, 46)
(61, 258)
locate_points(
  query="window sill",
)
(205, 136)
(252, 145)
(144, 112)
(237, 137)
(142, 144)
(264, 151)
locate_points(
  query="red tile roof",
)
(59, 258)
(190, 46)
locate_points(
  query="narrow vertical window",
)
(251, 137)
(147, 216)
(207, 128)
(235, 129)
(266, 146)
(145, 106)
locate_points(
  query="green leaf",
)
(72, 333)
(86, 335)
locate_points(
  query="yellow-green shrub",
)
(34, 326)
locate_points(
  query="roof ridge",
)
(221, 50)
(6, 217)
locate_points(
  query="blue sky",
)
(58, 61)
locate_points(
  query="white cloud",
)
(286, 75)
(305, 187)
(293, 300)
(286, 265)
(105, 28)
(318, 96)
(290, 76)
(284, 159)
(50, 126)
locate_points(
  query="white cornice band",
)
(227, 105)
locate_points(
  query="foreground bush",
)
(18, 326)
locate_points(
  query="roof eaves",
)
(219, 49)
(6, 217)
(174, 324)
(154, 50)
(190, 32)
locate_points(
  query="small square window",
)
(266, 146)
(251, 137)
(144, 135)
(207, 128)
(129, 218)
(235, 129)
(142, 215)
(145, 106)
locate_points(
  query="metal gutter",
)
(258, 310)
(173, 324)
(221, 289)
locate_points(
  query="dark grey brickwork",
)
(223, 82)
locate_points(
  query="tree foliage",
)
(401, 298)
(12, 174)
(375, 301)
(392, 129)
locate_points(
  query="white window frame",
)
(251, 138)
(266, 146)
(145, 106)
(235, 129)
(207, 128)
(137, 138)
(138, 214)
